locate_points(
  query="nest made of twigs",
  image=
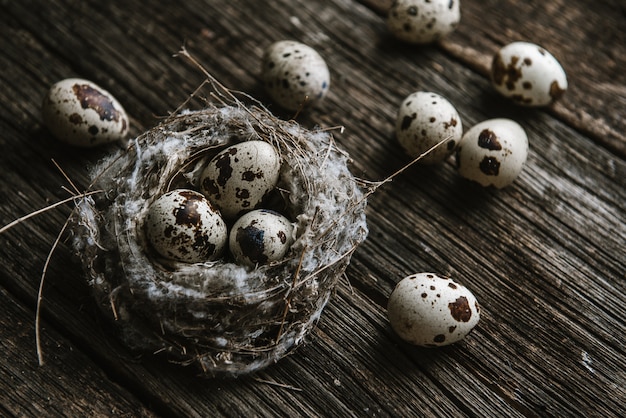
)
(225, 317)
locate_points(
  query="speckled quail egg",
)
(528, 74)
(182, 225)
(424, 120)
(423, 21)
(81, 113)
(493, 152)
(428, 310)
(240, 176)
(294, 74)
(260, 237)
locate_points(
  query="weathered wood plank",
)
(545, 257)
(50, 390)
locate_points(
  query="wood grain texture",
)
(545, 257)
(53, 389)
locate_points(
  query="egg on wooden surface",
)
(423, 21)
(260, 237)
(428, 310)
(424, 120)
(493, 152)
(81, 113)
(528, 74)
(294, 74)
(239, 177)
(182, 225)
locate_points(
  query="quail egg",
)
(240, 176)
(81, 113)
(423, 21)
(424, 120)
(493, 152)
(294, 74)
(428, 310)
(528, 74)
(182, 225)
(260, 237)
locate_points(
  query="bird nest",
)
(227, 318)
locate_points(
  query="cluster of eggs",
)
(425, 309)
(186, 225)
(192, 226)
(492, 152)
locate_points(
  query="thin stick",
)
(213, 80)
(67, 189)
(66, 176)
(220, 89)
(192, 95)
(339, 128)
(40, 293)
(46, 209)
(288, 304)
(376, 185)
(407, 166)
(300, 107)
(347, 280)
(280, 385)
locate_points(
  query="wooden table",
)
(545, 257)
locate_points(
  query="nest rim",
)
(289, 274)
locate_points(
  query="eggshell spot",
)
(423, 21)
(81, 113)
(493, 152)
(294, 75)
(428, 310)
(528, 74)
(260, 237)
(424, 120)
(238, 178)
(182, 225)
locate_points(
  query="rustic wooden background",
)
(546, 257)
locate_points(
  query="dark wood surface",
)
(546, 257)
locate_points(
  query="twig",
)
(288, 304)
(339, 128)
(192, 95)
(375, 185)
(406, 167)
(40, 293)
(347, 280)
(75, 195)
(221, 93)
(46, 209)
(64, 174)
(210, 78)
(280, 385)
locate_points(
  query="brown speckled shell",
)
(423, 21)
(81, 113)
